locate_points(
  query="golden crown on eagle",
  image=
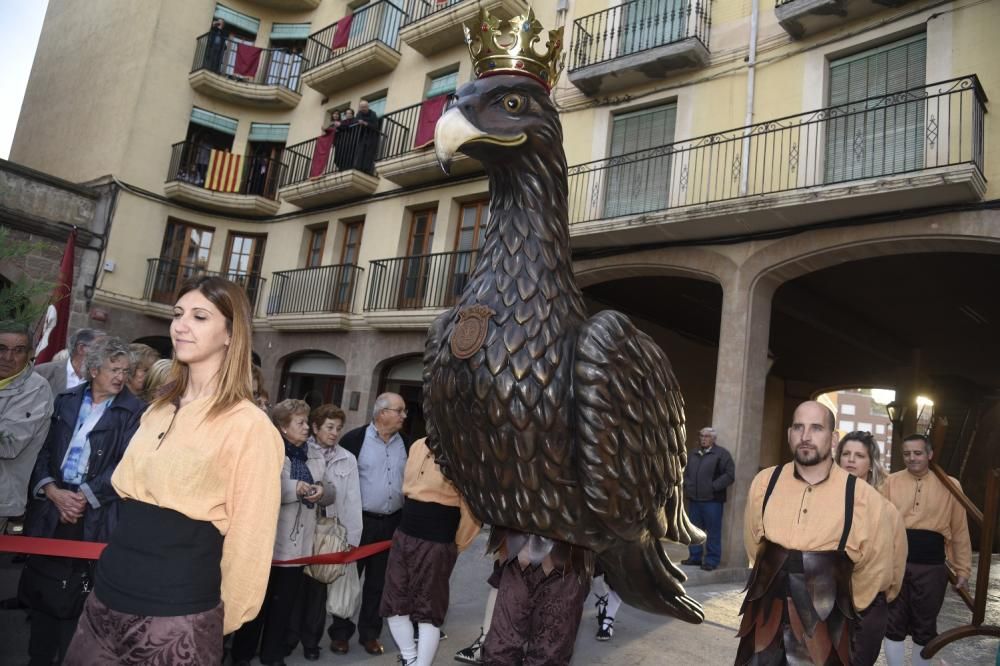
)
(506, 46)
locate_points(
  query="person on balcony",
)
(345, 142)
(215, 46)
(937, 530)
(368, 137)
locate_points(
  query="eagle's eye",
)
(513, 102)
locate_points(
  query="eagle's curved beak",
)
(453, 130)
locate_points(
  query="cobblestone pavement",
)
(640, 638)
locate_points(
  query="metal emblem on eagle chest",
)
(469, 333)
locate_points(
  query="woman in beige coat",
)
(302, 490)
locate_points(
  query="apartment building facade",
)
(731, 162)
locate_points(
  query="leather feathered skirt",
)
(798, 609)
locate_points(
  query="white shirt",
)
(72, 379)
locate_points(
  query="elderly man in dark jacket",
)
(72, 496)
(710, 470)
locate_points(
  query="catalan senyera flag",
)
(225, 170)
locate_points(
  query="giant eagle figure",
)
(554, 425)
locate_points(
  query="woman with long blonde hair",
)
(189, 559)
(858, 453)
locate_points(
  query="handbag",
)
(343, 596)
(56, 586)
(331, 537)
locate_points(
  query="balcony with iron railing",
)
(913, 149)
(338, 166)
(164, 277)
(240, 73)
(321, 297)
(410, 291)
(808, 17)
(356, 48)
(221, 181)
(406, 156)
(637, 42)
(432, 26)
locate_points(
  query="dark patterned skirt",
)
(416, 579)
(104, 636)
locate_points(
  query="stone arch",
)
(403, 374)
(313, 375)
(700, 263)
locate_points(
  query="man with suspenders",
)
(817, 541)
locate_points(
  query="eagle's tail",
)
(644, 577)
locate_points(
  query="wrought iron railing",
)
(353, 147)
(165, 276)
(937, 125)
(317, 289)
(258, 175)
(636, 26)
(398, 132)
(275, 67)
(421, 9)
(378, 21)
(422, 281)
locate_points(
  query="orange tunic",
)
(225, 470)
(806, 517)
(926, 504)
(424, 482)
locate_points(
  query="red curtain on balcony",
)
(430, 111)
(321, 154)
(247, 60)
(343, 32)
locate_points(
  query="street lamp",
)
(896, 412)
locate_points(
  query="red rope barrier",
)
(89, 550)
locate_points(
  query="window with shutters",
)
(441, 84)
(244, 256)
(874, 130)
(647, 24)
(314, 252)
(416, 264)
(638, 177)
(471, 225)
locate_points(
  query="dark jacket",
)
(108, 440)
(707, 476)
(354, 440)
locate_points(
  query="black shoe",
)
(708, 567)
(474, 653)
(311, 654)
(606, 630)
(691, 563)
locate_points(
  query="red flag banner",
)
(342, 33)
(247, 60)
(55, 325)
(225, 171)
(321, 154)
(90, 550)
(430, 110)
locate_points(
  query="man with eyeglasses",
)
(25, 409)
(381, 451)
(65, 375)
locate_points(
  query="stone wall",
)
(42, 210)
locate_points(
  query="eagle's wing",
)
(432, 347)
(630, 431)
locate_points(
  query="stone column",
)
(740, 384)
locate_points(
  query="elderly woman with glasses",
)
(303, 493)
(858, 453)
(72, 496)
